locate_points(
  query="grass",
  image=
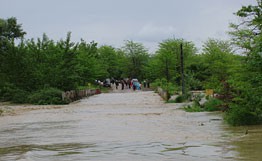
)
(193, 108)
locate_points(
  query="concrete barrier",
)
(74, 95)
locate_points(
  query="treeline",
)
(35, 70)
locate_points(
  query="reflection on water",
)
(124, 126)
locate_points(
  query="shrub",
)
(193, 108)
(247, 110)
(171, 101)
(213, 104)
(165, 85)
(182, 98)
(7, 92)
(47, 96)
(241, 115)
(156, 83)
(13, 94)
(20, 96)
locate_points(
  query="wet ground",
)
(128, 126)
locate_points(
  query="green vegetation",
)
(246, 85)
(193, 108)
(37, 71)
(31, 69)
(46, 96)
(212, 104)
(182, 98)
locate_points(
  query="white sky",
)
(110, 22)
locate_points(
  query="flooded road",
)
(130, 126)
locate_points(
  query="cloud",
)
(155, 33)
(111, 22)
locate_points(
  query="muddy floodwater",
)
(128, 126)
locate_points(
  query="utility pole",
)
(182, 68)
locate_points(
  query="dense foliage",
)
(37, 71)
(246, 107)
(30, 68)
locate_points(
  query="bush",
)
(7, 92)
(20, 96)
(193, 108)
(247, 110)
(182, 98)
(165, 85)
(241, 115)
(47, 96)
(13, 94)
(213, 104)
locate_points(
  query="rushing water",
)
(130, 126)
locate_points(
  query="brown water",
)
(130, 126)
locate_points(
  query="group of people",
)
(129, 83)
(125, 83)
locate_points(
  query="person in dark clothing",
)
(148, 84)
(122, 84)
(145, 83)
(117, 83)
(113, 81)
(129, 83)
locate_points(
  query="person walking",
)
(122, 84)
(117, 83)
(129, 83)
(144, 82)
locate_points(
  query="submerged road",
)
(122, 126)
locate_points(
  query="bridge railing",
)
(73, 95)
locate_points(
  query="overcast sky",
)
(110, 22)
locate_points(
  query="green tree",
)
(152, 68)
(9, 32)
(222, 66)
(137, 57)
(88, 58)
(69, 71)
(168, 58)
(37, 59)
(12, 67)
(247, 107)
(218, 58)
(166, 63)
(10, 29)
(111, 60)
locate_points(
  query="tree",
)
(247, 35)
(9, 29)
(137, 57)
(218, 58)
(90, 69)
(167, 59)
(69, 71)
(110, 59)
(10, 55)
